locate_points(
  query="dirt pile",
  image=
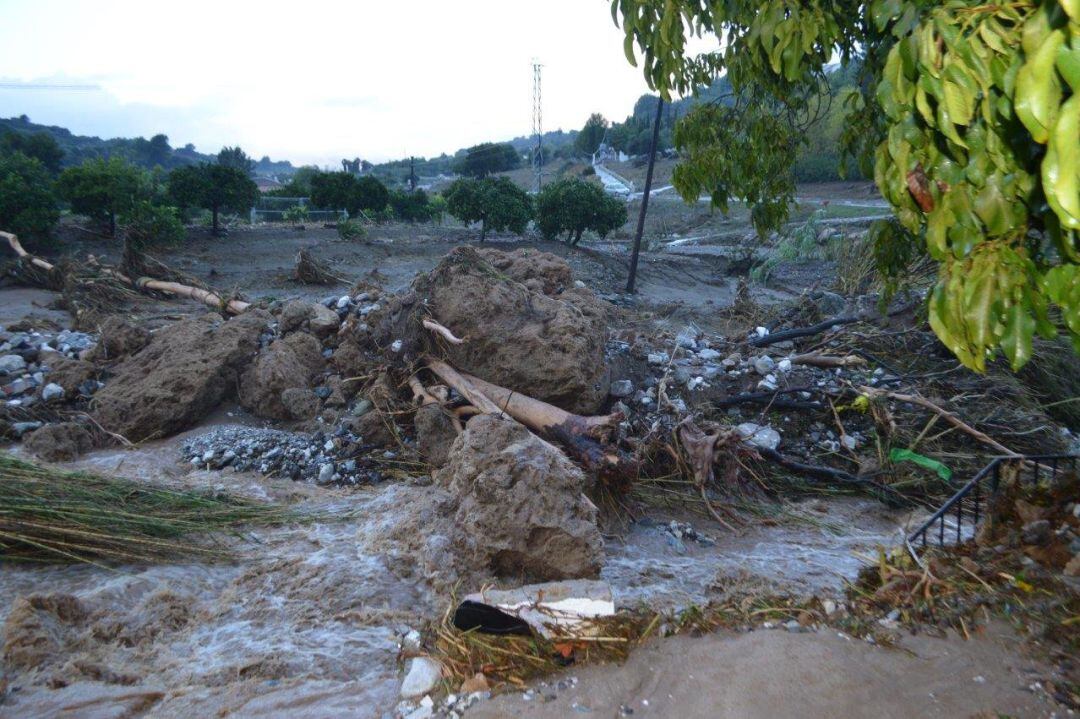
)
(543, 346)
(60, 442)
(287, 364)
(539, 271)
(435, 434)
(520, 509)
(297, 315)
(187, 369)
(69, 373)
(118, 338)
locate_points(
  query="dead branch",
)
(174, 288)
(948, 416)
(446, 333)
(818, 359)
(772, 399)
(585, 438)
(17, 247)
(424, 397)
(798, 332)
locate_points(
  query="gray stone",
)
(763, 365)
(21, 428)
(11, 364)
(686, 340)
(1037, 532)
(324, 322)
(621, 388)
(343, 302)
(759, 436)
(52, 391)
(423, 676)
(708, 355)
(658, 358)
(682, 375)
(326, 472)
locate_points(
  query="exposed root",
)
(446, 333)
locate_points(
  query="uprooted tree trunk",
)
(311, 271)
(587, 439)
(233, 306)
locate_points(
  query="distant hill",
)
(138, 150)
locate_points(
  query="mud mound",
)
(543, 346)
(187, 369)
(539, 271)
(118, 339)
(69, 373)
(289, 363)
(309, 317)
(435, 434)
(520, 509)
(38, 628)
(61, 442)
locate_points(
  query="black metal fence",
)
(947, 524)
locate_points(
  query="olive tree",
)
(968, 119)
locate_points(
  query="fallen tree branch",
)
(446, 333)
(948, 416)
(585, 438)
(145, 283)
(817, 359)
(771, 399)
(15, 245)
(821, 472)
(798, 332)
(424, 397)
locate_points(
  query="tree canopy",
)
(573, 206)
(488, 158)
(39, 145)
(103, 189)
(27, 204)
(592, 134)
(968, 117)
(213, 187)
(495, 202)
(237, 159)
(345, 191)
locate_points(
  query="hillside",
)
(138, 150)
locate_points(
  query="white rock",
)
(849, 442)
(766, 385)
(694, 383)
(326, 472)
(759, 436)
(52, 391)
(686, 340)
(343, 302)
(763, 365)
(784, 365)
(423, 676)
(411, 641)
(707, 354)
(761, 332)
(654, 358)
(395, 346)
(11, 364)
(579, 284)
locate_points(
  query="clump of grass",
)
(48, 515)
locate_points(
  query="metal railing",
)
(968, 501)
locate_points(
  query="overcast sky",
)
(313, 81)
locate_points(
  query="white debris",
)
(423, 676)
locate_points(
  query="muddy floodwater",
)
(307, 619)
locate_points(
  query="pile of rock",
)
(43, 367)
(331, 457)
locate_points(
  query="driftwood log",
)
(207, 297)
(587, 439)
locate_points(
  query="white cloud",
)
(320, 80)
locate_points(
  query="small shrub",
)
(296, 215)
(147, 224)
(351, 230)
